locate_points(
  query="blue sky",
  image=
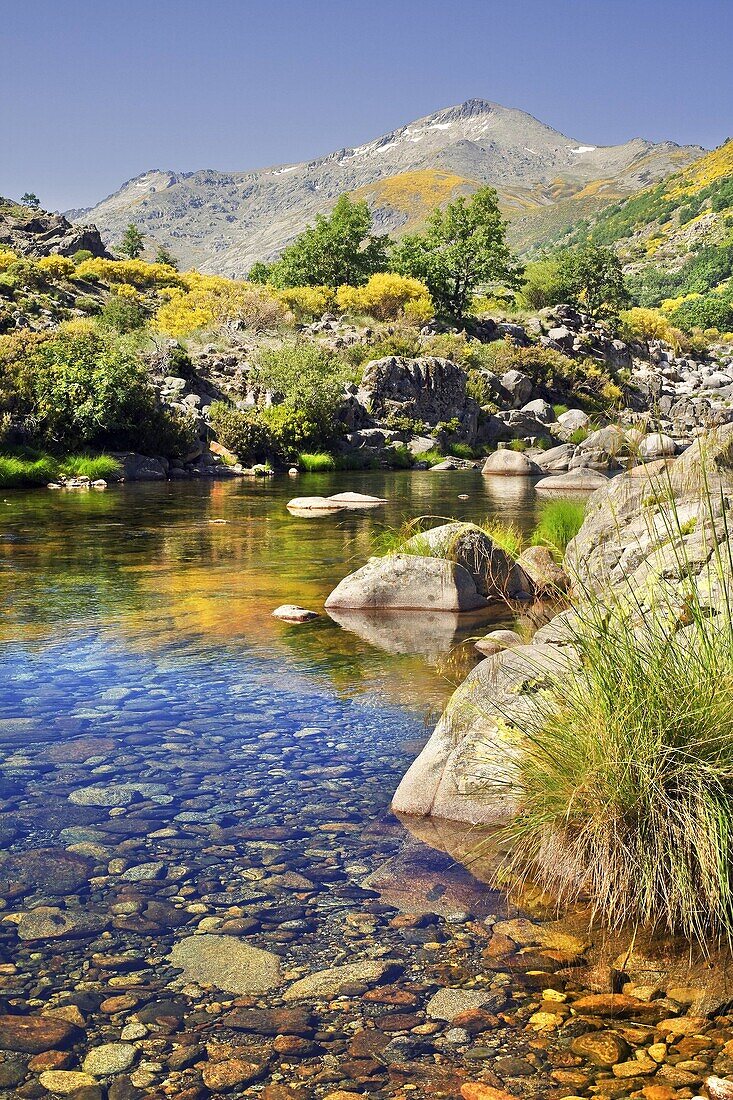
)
(96, 91)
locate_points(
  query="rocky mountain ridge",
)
(223, 222)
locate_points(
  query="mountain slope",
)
(222, 222)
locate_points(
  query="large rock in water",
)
(226, 963)
(468, 545)
(408, 582)
(508, 463)
(468, 769)
(428, 389)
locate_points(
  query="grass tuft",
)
(95, 467)
(18, 472)
(559, 522)
(316, 463)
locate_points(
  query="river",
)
(174, 759)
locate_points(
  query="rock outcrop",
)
(427, 389)
(34, 233)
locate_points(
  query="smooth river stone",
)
(226, 963)
(329, 983)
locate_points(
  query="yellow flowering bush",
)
(307, 303)
(208, 300)
(56, 267)
(7, 257)
(650, 324)
(138, 273)
(386, 297)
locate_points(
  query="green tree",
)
(591, 278)
(462, 247)
(259, 272)
(339, 249)
(165, 256)
(132, 242)
(31, 199)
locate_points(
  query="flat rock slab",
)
(109, 1059)
(314, 504)
(46, 922)
(226, 963)
(357, 500)
(292, 613)
(330, 983)
(581, 480)
(53, 870)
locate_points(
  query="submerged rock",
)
(330, 983)
(226, 963)
(34, 1034)
(314, 504)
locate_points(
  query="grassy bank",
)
(28, 469)
(626, 773)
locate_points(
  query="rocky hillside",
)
(664, 225)
(223, 222)
(35, 233)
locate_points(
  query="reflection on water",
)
(154, 564)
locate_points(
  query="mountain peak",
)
(224, 221)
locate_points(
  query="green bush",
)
(557, 377)
(244, 433)
(123, 314)
(83, 388)
(400, 457)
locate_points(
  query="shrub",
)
(649, 324)
(400, 457)
(56, 267)
(138, 273)
(307, 380)
(557, 376)
(307, 303)
(7, 258)
(244, 433)
(386, 297)
(559, 522)
(207, 300)
(78, 388)
(123, 313)
(316, 463)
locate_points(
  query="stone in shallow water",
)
(226, 963)
(109, 1059)
(446, 1004)
(114, 795)
(52, 870)
(292, 613)
(34, 1034)
(63, 1082)
(329, 983)
(49, 923)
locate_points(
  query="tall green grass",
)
(95, 467)
(559, 522)
(626, 772)
(18, 472)
(316, 463)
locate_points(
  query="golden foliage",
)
(387, 297)
(138, 273)
(56, 267)
(650, 324)
(204, 301)
(7, 258)
(700, 173)
(307, 303)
